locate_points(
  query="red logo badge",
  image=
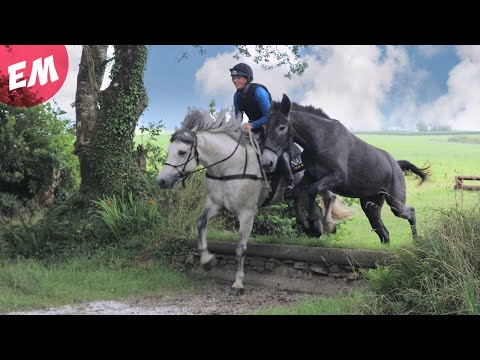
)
(31, 74)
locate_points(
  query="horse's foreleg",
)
(207, 260)
(297, 203)
(301, 199)
(246, 224)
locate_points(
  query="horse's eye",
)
(282, 127)
(182, 153)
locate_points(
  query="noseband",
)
(193, 154)
(289, 138)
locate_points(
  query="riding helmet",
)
(242, 69)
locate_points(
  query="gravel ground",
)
(211, 299)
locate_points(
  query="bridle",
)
(193, 149)
(193, 154)
(289, 138)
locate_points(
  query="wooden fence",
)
(460, 185)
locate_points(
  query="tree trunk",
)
(108, 118)
(89, 80)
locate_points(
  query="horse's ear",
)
(286, 105)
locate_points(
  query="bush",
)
(276, 220)
(36, 147)
(439, 274)
(9, 207)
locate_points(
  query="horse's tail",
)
(407, 167)
(341, 211)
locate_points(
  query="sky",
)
(366, 87)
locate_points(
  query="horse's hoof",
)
(210, 264)
(237, 291)
(330, 228)
(316, 229)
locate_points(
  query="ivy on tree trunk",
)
(106, 119)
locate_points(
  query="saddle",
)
(296, 164)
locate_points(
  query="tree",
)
(106, 119)
(422, 127)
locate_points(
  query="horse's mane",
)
(297, 107)
(201, 120)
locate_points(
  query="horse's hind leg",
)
(372, 207)
(328, 199)
(399, 209)
(245, 219)
(207, 259)
(315, 217)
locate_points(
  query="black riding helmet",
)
(242, 69)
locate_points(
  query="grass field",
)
(30, 284)
(447, 159)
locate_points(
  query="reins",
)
(193, 149)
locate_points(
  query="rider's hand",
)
(246, 128)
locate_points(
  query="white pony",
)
(235, 182)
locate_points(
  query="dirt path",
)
(213, 298)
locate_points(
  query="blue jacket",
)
(255, 102)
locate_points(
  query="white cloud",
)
(66, 95)
(348, 82)
(405, 113)
(108, 68)
(460, 106)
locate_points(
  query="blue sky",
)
(366, 87)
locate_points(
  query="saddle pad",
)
(296, 162)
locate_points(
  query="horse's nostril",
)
(161, 183)
(270, 164)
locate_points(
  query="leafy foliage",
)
(155, 153)
(275, 220)
(124, 214)
(35, 142)
(264, 54)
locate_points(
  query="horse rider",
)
(254, 100)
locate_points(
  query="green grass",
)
(338, 305)
(162, 140)
(30, 284)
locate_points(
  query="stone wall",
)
(299, 262)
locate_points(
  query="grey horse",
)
(340, 162)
